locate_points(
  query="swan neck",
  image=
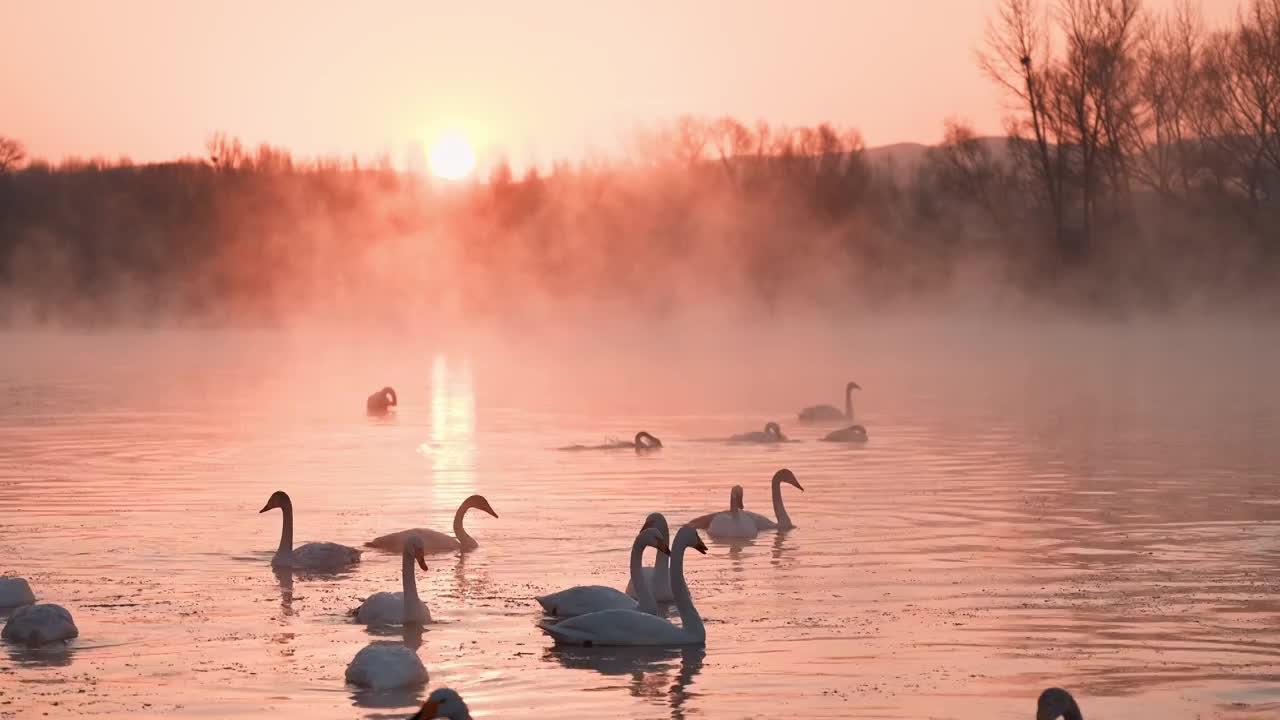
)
(286, 532)
(644, 594)
(410, 583)
(661, 571)
(465, 540)
(848, 403)
(689, 617)
(779, 511)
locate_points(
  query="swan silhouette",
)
(831, 413)
(382, 401)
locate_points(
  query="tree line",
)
(1141, 168)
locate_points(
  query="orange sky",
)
(538, 79)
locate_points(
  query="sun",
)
(452, 157)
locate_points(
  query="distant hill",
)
(901, 160)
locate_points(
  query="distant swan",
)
(772, 434)
(434, 541)
(39, 625)
(399, 608)
(853, 433)
(643, 442)
(658, 577)
(634, 628)
(311, 556)
(584, 599)
(830, 413)
(385, 665)
(1057, 703)
(15, 591)
(443, 703)
(380, 402)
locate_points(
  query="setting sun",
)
(452, 157)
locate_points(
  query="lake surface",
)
(1095, 508)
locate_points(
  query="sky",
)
(533, 80)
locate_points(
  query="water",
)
(1088, 507)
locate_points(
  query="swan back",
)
(15, 591)
(386, 665)
(39, 624)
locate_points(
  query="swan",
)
(399, 608)
(385, 665)
(735, 522)
(634, 628)
(311, 556)
(658, 578)
(39, 624)
(772, 434)
(443, 703)
(643, 442)
(584, 599)
(15, 591)
(383, 400)
(830, 413)
(434, 541)
(779, 511)
(853, 433)
(1057, 703)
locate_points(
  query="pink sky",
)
(151, 79)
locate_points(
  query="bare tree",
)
(12, 153)
(1171, 88)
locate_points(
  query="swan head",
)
(735, 498)
(417, 549)
(443, 703)
(659, 521)
(1057, 703)
(390, 393)
(786, 476)
(480, 503)
(654, 538)
(775, 430)
(688, 537)
(279, 499)
(644, 440)
(852, 386)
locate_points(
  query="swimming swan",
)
(15, 591)
(734, 523)
(853, 433)
(383, 400)
(1057, 703)
(399, 608)
(434, 541)
(643, 442)
(385, 665)
(772, 434)
(443, 703)
(779, 511)
(830, 413)
(39, 624)
(658, 577)
(584, 599)
(634, 628)
(312, 556)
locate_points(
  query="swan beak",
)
(422, 559)
(700, 546)
(662, 547)
(428, 711)
(266, 507)
(490, 511)
(798, 485)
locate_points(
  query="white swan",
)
(703, 522)
(443, 703)
(15, 591)
(658, 577)
(434, 541)
(382, 401)
(853, 433)
(735, 522)
(399, 608)
(583, 599)
(39, 624)
(830, 413)
(1057, 703)
(634, 628)
(385, 665)
(772, 434)
(311, 556)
